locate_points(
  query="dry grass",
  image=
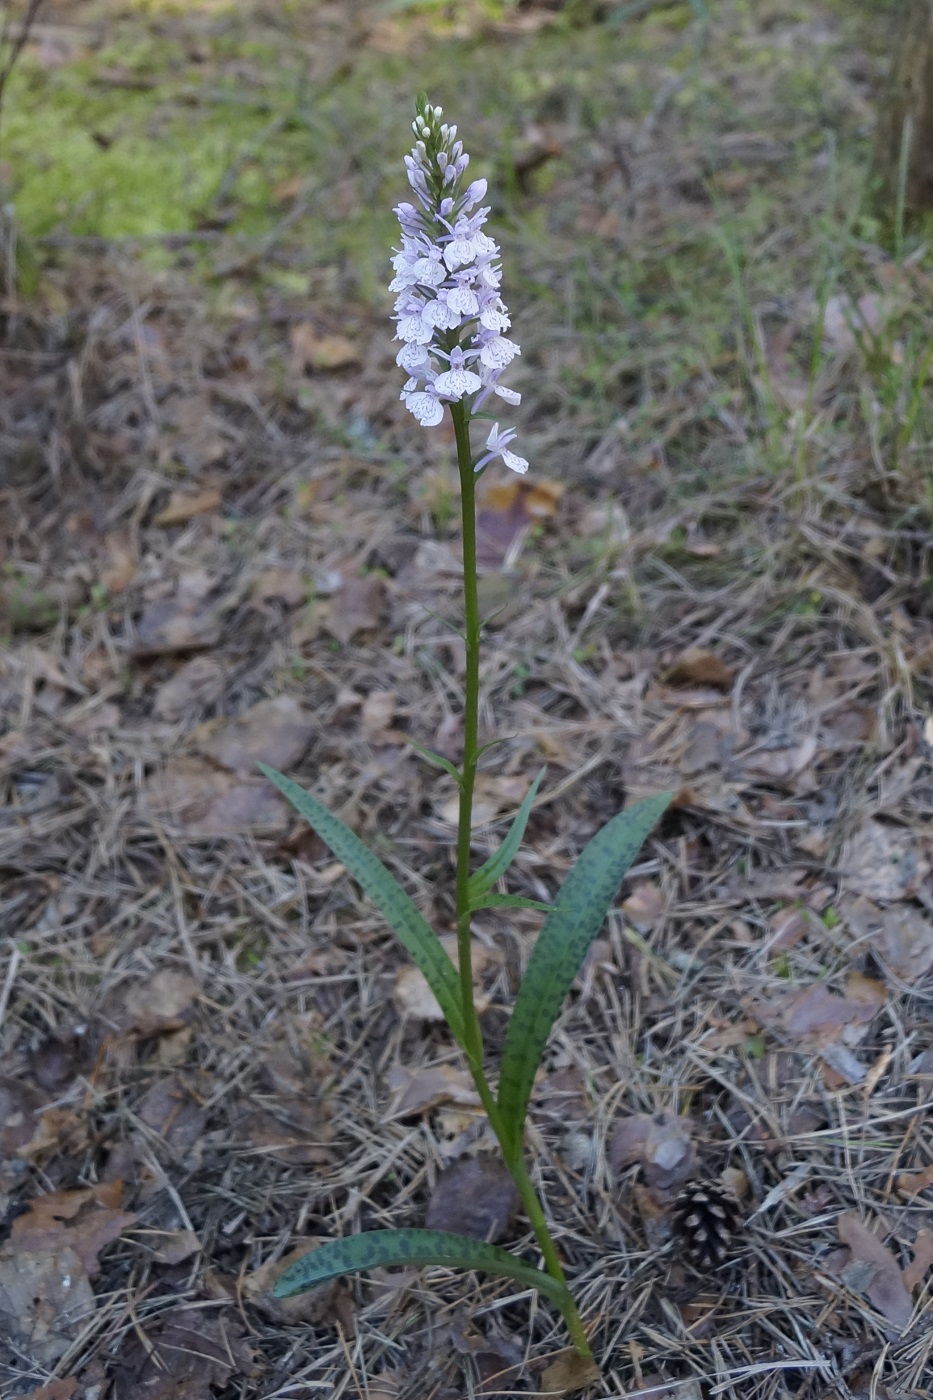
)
(257, 1112)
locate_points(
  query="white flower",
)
(423, 403)
(497, 443)
(449, 314)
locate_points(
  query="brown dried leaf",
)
(662, 1145)
(173, 1111)
(122, 561)
(311, 351)
(882, 862)
(814, 1016)
(356, 606)
(884, 1287)
(20, 1107)
(780, 765)
(492, 797)
(315, 1306)
(698, 666)
(183, 506)
(275, 731)
(568, 1374)
(900, 934)
(474, 1196)
(413, 997)
(82, 1221)
(286, 585)
(170, 1246)
(55, 1390)
(194, 686)
(910, 1183)
(160, 1003)
(208, 801)
(293, 1130)
(506, 514)
(181, 622)
(421, 1090)
(916, 1272)
(644, 906)
(183, 1358)
(45, 1299)
(378, 712)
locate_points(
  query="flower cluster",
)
(450, 317)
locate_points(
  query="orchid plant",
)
(452, 323)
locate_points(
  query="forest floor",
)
(223, 540)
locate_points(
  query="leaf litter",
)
(201, 1007)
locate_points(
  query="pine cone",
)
(706, 1216)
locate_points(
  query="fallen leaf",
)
(293, 1130)
(378, 711)
(196, 684)
(57, 1061)
(169, 1246)
(492, 796)
(20, 1107)
(82, 1221)
(183, 506)
(697, 666)
(882, 862)
(311, 351)
(286, 585)
(884, 1286)
(182, 1356)
(160, 1003)
(662, 1145)
(55, 1390)
(207, 801)
(122, 561)
(418, 1091)
(899, 934)
(910, 1183)
(644, 906)
(413, 997)
(568, 1374)
(474, 1196)
(174, 1112)
(781, 764)
(356, 606)
(45, 1300)
(506, 514)
(275, 731)
(562, 1096)
(314, 1306)
(916, 1272)
(182, 622)
(815, 1016)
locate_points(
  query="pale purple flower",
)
(497, 444)
(450, 316)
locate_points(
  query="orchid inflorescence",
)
(449, 312)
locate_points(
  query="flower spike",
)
(449, 314)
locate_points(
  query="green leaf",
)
(508, 901)
(437, 759)
(563, 942)
(498, 863)
(378, 1248)
(420, 940)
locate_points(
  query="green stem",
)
(473, 1034)
(474, 1038)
